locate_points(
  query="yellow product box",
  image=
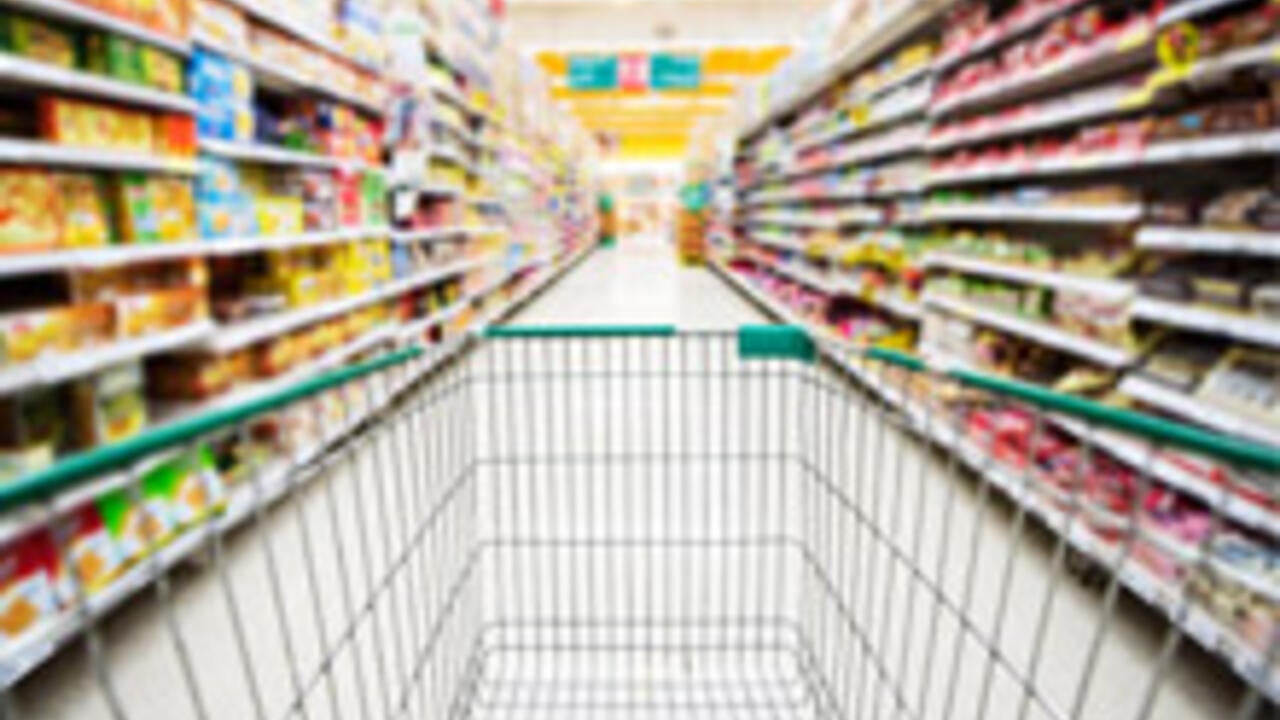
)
(303, 290)
(279, 215)
(85, 222)
(30, 210)
(26, 336)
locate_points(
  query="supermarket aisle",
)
(640, 281)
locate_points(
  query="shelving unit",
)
(286, 243)
(1010, 190)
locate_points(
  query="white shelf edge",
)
(1117, 289)
(53, 369)
(1256, 330)
(16, 69)
(1186, 406)
(1100, 353)
(1013, 212)
(1211, 240)
(269, 155)
(38, 152)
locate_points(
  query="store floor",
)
(639, 283)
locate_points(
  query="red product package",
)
(30, 584)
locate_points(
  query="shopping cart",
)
(578, 523)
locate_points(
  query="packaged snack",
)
(186, 378)
(160, 70)
(30, 210)
(34, 421)
(91, 551)
(85, 222)
(39, 40)
(98, 125)
(109, 406)
(114, 56)
(136, 528)
(155, 208)
(175, 135)
(26, 336)
(189, 487)
(29, 584)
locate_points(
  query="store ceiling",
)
(731, 42)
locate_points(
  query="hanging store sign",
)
(593, 72)
(675, 72)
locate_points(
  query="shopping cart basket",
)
(632, 522)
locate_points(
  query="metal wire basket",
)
(632, 522)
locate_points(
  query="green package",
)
(114, 56)
(39, 40)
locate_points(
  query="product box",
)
(85, 220)
(97, 125)
(28, 336)
(39, 40)
(114, 56)
(94, 558)
(30, 587)
(30, 210)
(189, 378)
(109, 406)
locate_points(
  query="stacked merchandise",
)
(1078, 194)
(203, 203)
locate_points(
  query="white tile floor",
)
(640, 283)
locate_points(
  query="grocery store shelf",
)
(270, 155)
(284, 77)
(847, 132)
(1257, 330)
(1168, 599)
(1101, 287)
(1049, 214)
(84, 14)
(777, 240)
(813, 279)
(428, 234)
(907, 19)
(846, 218)
(1209, 241)
(1228, 147)
(38, 152)
(268, 14)
(1116, 55)
(1101, 353)
(866, 151)
(888, 301)
(1192, 409)
(1093, 105)
(1028, 23)
(1154, 464)
(1190, 9)
(243, 334)
(130, 254)
(55, 369)
(21, 71)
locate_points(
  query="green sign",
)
(593, 72)
(675, 72)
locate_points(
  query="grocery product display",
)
(202, 202)
(1076, 194)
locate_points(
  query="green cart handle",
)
(65, 474)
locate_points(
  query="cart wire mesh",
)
(632, 522)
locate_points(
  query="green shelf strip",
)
(578, 331)
(65, 474)
(1232, 450)
(775, 342)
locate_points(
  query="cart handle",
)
(65, 474)
(578, 331)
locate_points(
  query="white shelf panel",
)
(82, 14)
(269, 155)
(1257, 330)
(1190, 9)
(21, 71)
(430, 234)
(1047, 214)
(129, 254)
(61, 368)
(846, 132)
(1101, 353)
(1208, 240)
(1105, 287)
(1228, 147)
(38, 152)
(1190, 408)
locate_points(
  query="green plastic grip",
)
(775, 342)
(578, 331)
(65, 474)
